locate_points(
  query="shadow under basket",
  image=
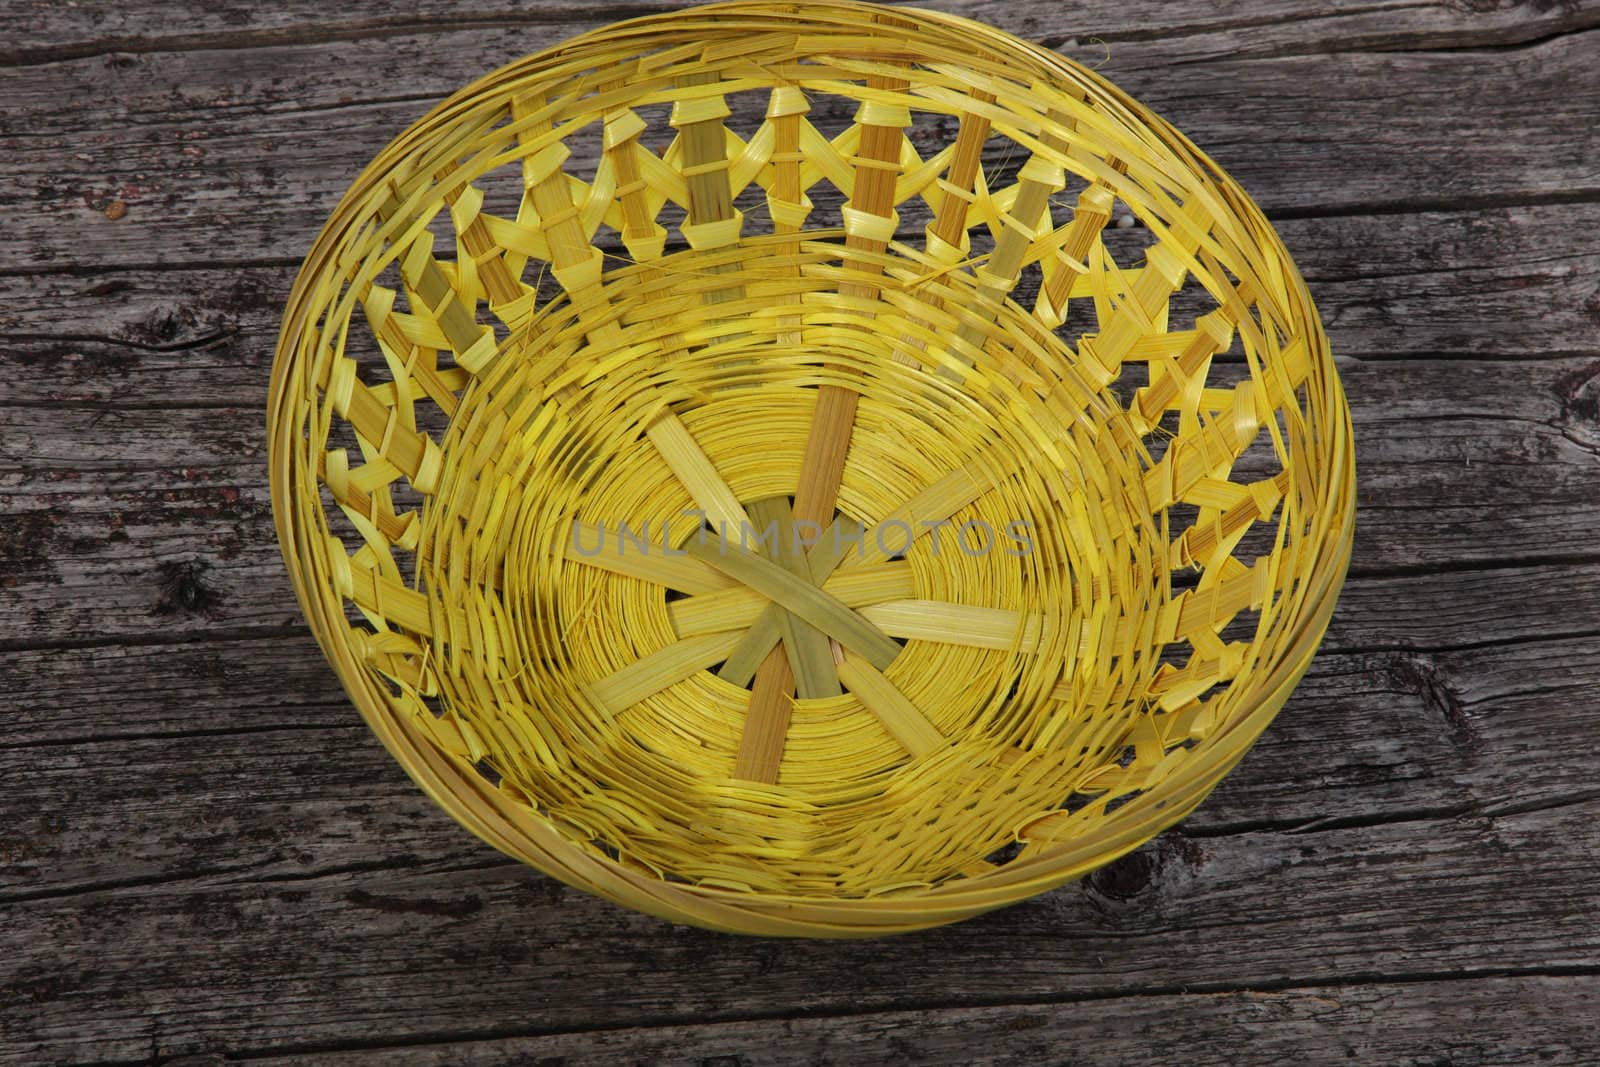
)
(808, 469)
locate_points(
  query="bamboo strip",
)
(740, 607)
(592, 546)
(767, 719)
(956, 624)
(763, 637)
(810, 657)
(872, 196)
(903, 719)
(689, 462)
(653, 673)
(801, 598)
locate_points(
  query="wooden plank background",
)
(204, 856)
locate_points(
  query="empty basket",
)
(809, 469)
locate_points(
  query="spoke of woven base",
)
(821, 561)
(903, 719)
(653, 673)
(741, 607)
(762, 638)
(691, 466)
(590, 546)
(801, 598)
(930, 507)
(826, 447)
(760, 753)
(869, 225)
(957, 624)
(810, 657)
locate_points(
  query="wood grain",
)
(46, 32)
(452, 948)
(203, 337)
(207, 149)
(1454, 723)
(1515, 1021)
(118, 520)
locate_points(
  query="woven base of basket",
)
(736, 467)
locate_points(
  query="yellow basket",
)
(808, 469)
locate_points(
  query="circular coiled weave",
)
(808, 469)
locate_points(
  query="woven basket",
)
(1028, 412)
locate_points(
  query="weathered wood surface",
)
(1509, 1028)
(1452, 721)
(44, 31)
(128, 521)
(203, 853)
(206, 147)
(203, 336)
(1558, 1025)
(439, 945)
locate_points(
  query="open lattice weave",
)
(1029, 395)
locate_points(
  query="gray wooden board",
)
(219, 680)
(1545, 1020)
(450, 946)
(203, 853)
(43, 31)
(124, 520)
(209, 149)
(1435, 284)
(1369, 737)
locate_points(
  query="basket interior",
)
(1031, 399)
